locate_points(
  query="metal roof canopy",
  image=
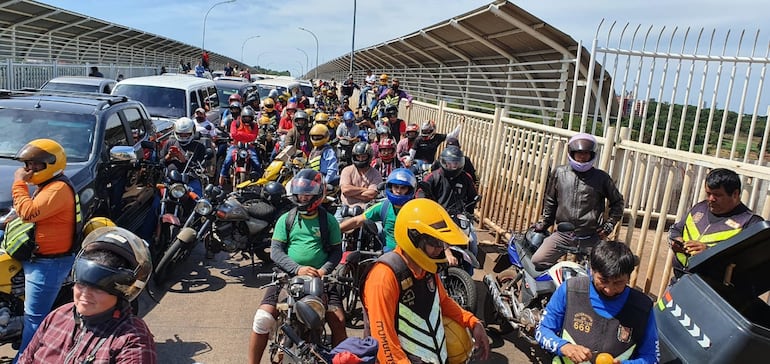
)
(45, 22)
(493, 42)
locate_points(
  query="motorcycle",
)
(298, 336)
(344, 153)
(176, 200)
(458, 280)
(241, 169)
(244, 222)
(520, 292)
(281, 169)
(197, 227)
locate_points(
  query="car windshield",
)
(159, 101)
(76, 87)
(75, 132)
(224, 95)
(264, 90)
(306, 90)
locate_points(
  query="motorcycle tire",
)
(165, 267)
(349, 296)
(461, 287)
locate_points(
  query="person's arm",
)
(50, 201)
(550, 202)
(351, 191)
(455, 133)
(380, 299)
(451, 309)
(615, 200)
(330, 162)
(405, 95)
(279, 247)
(352, 223)
(551, 323)
(138, 347)
(647, 351)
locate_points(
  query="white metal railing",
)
(15, 75)
(658, 153)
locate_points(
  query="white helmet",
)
(184, 130)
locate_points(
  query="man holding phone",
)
(719, 217)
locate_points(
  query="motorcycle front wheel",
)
(461, 287)
(175, 254)
(508, 281)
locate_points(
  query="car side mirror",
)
(123, 153)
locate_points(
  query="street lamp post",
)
(203, 43)
(315, 70)
(353, 41)
(307, 61)
(244, 45)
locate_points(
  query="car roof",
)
(81, 80)
(60, 100)
(277, 82)
(170, 81)
(231, 78)
(232, 84)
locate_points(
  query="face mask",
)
(580, 167)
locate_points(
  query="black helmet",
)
(391, 111)
(248, 112)
(273, 192)
(307, 182)
(452, 161)
(362, 148)
(125, 280)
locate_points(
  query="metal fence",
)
(15, 75)
(657, 141)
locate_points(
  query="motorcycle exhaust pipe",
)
(494, 291)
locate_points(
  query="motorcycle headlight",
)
(178, 190)
(311, 312)
(203, 207)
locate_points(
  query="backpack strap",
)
(323, 225)
(384, 206)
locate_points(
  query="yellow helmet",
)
(319, 135)
(322, 118)
(264, 120)
(330, 93)
(269, 104)
(420, 221)
(95, 223)
(459, 345)
(383, 79)
(310, 112)
(43, 151)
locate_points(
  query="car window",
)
(159, 101)
(213, 97)
(107, 88)
(73, 131)
(136, 123)
(75, 87)
(115, 133)
(195, 97)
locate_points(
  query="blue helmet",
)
(403, 177)
(348, 116)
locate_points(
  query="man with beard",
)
(601, 313)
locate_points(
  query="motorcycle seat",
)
(529, 267)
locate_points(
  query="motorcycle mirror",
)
(381, 186)
(209, 153)
(565, 227)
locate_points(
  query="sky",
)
(230, 26)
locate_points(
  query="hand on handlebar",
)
(450, 258)
(308, 271)
(539, 226)
(605, 230)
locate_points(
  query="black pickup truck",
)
(106, 139)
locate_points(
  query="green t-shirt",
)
(388, 224)
(306, 247)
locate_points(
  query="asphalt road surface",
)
(204, 314)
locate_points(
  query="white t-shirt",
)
(203, 131)
(370, 80)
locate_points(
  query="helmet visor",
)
(90, 273)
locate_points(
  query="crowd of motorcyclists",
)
(367, 157)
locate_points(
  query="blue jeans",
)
(362, 96)
(255, 167)
(43, 280)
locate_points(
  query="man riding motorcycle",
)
(242, 130)
(174, 153)
(298, 136)
(323, 158)
(407, 142)
(424, 148)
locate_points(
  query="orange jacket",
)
(381, 301)
(53, 212)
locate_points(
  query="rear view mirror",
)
(123, 153)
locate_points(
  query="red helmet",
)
(387, 149)
(234, 97)
(291, 105)
(307, 182)
(412, 130)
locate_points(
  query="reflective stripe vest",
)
(698, 227)
(315, 158)
(419, 326)
(617, 336)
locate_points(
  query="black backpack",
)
(322, 222)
